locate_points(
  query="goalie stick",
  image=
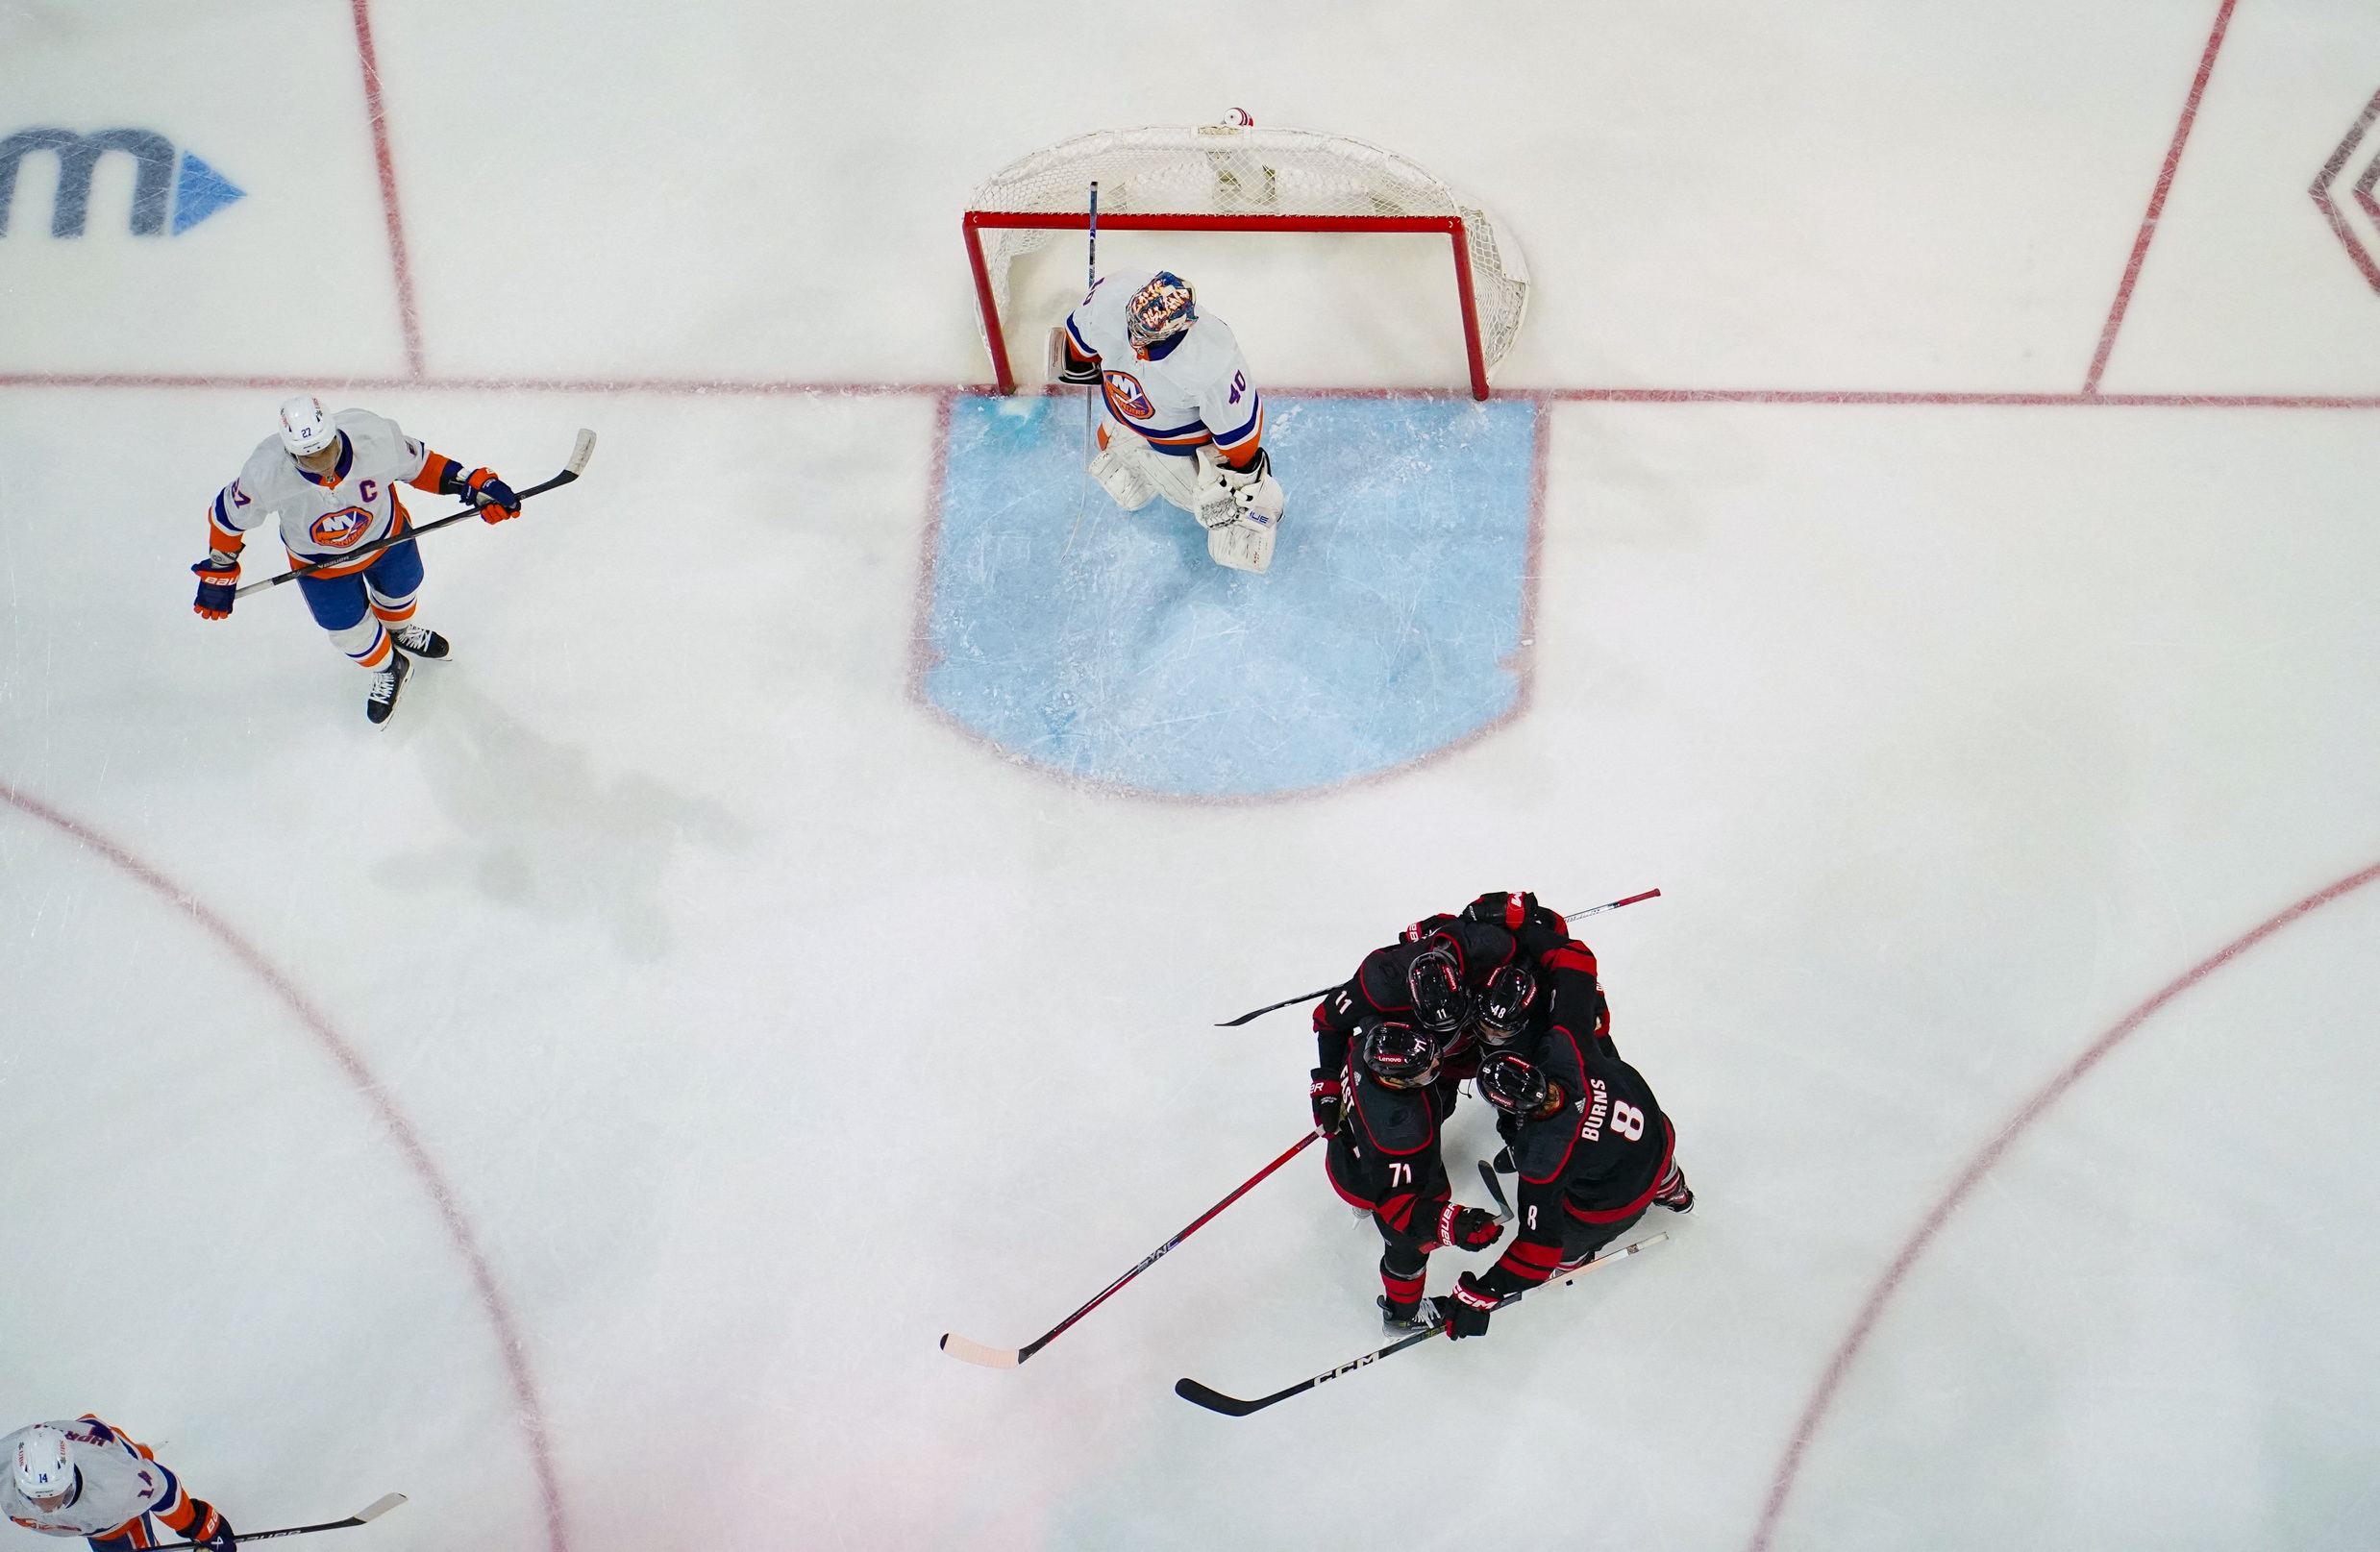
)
(1213, 1401)
(376, 1508)
(1308, 997)
(974, 1352)
(1091, 394)
(579, 455)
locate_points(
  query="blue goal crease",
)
(1388, 628)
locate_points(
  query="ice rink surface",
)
(581, 1103)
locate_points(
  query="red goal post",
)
(1239, 178)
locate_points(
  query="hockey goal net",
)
(1241, 177)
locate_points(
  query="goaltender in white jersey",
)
(1180, 382)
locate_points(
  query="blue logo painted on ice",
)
(1391, 627)
(193, 189)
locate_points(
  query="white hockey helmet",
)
(42, 1469)
(306, 426)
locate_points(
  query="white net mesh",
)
(1220, 169)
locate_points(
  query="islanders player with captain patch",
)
(330, 483)
(81, 1477)
(1180, 384)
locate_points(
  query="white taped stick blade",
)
(579, 455)
(1566, 1278)
(974, 1352)
(381, 1506)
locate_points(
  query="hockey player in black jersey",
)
(1429, 979)
(1383, 1158)
(1595, 1150)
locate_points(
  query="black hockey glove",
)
(1329, 1101)
(1075, 367)
(1538, 929)
(1500, 909)
(218, 583)
(1466, 1309)
(1467, 1228)
(210, 1530)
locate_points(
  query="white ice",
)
(760, 1028)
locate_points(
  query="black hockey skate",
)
(1404, 1319)
(420, 641)
(1674, 1192)
(387, 683)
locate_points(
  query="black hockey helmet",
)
(1505, 1004)
(1399, 1055)
(1514, 1084)
(1441, 1001)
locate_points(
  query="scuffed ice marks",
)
(1113, 651)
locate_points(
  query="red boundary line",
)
(2156, 201)
(409, 314)
(2330, 208)
(768, 387)
(1830, 1384)
(527, 1408)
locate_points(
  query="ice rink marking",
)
(1822, 1400)
(409, 314)
(409, 1142)
(2156, 200)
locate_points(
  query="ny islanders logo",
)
(1127, 397)
(337, 531)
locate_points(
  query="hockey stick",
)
(1090, 403)
(1496, 1190)
(374, 1511)
(974, 1352)
(1214, 1400)
(579, 455)
(1302, 996)
(1308, 997)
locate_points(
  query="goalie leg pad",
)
(1119, 468)
(1243, 545)
(1178, 480)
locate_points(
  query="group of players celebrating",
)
(1500, 995)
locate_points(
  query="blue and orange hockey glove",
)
(491, 496)
(219, 581)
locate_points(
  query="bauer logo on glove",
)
(491, 496)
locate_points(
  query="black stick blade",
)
(1258, 1013)
(1496, 1189)
(1231, 1406)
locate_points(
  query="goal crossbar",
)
(1453, 227)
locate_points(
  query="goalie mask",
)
(1159, 311)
